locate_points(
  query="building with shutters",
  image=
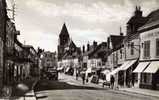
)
(148, 69)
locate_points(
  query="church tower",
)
(63, 41)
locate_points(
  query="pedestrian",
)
(87, 79)
(83, 78)
(112, 81)
(77, 73)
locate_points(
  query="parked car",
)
(106, 83)
(95, 79)
(52, 74)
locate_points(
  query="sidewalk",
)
(24, 90)
(148, 92)
(79, 81)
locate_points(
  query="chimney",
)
(94, 44)
(108, 42)
(83, 49)
(138, 12)
(88, 47)
(121, 34)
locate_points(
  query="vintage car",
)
(52, 74)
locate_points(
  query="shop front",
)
(149, 77)
(9, 72)
(137, 72)
(126, 77)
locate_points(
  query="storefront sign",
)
(149, 35)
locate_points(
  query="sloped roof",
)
(67, 55)
(72, 44)
(116, 41)
(131, 37)
(153, 16)
(100, 51)
(101, 47)
(91, 49)
(18, 42)
(153, 20)
(28, 47)
(71, 53)
(136, 19)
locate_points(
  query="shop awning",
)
(112, 73)
(128, 65)
(108, 77)
(60, 68)
(152, 68)
(67, 69)
(125, 63)
(115, 71)
(140, 67)
(105, 71)
(89, 70)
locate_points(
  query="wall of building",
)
(151, 35)
(1, 62)
(94, 63)
(111, 61)
(75, 62)
(121, 56)
(116, 58)
(48, 60)
(128, 48)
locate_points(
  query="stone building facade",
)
(148, 69)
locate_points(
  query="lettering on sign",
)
(149, 35)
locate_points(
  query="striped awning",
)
(152, 68)
(140, 67)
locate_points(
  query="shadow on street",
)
(56, 85)
(19, 89)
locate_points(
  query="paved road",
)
(67, 88)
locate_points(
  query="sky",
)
(40, 21)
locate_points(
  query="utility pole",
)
(4, 23)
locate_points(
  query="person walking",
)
(83, 78)
(77, 73)
(112, 81)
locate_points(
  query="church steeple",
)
(64, 31)
(64, 35)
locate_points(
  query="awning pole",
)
(124, 78)
(139, 79)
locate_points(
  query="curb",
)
(120, 91)
(34, 86)
(139, 93)
(32, 95)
